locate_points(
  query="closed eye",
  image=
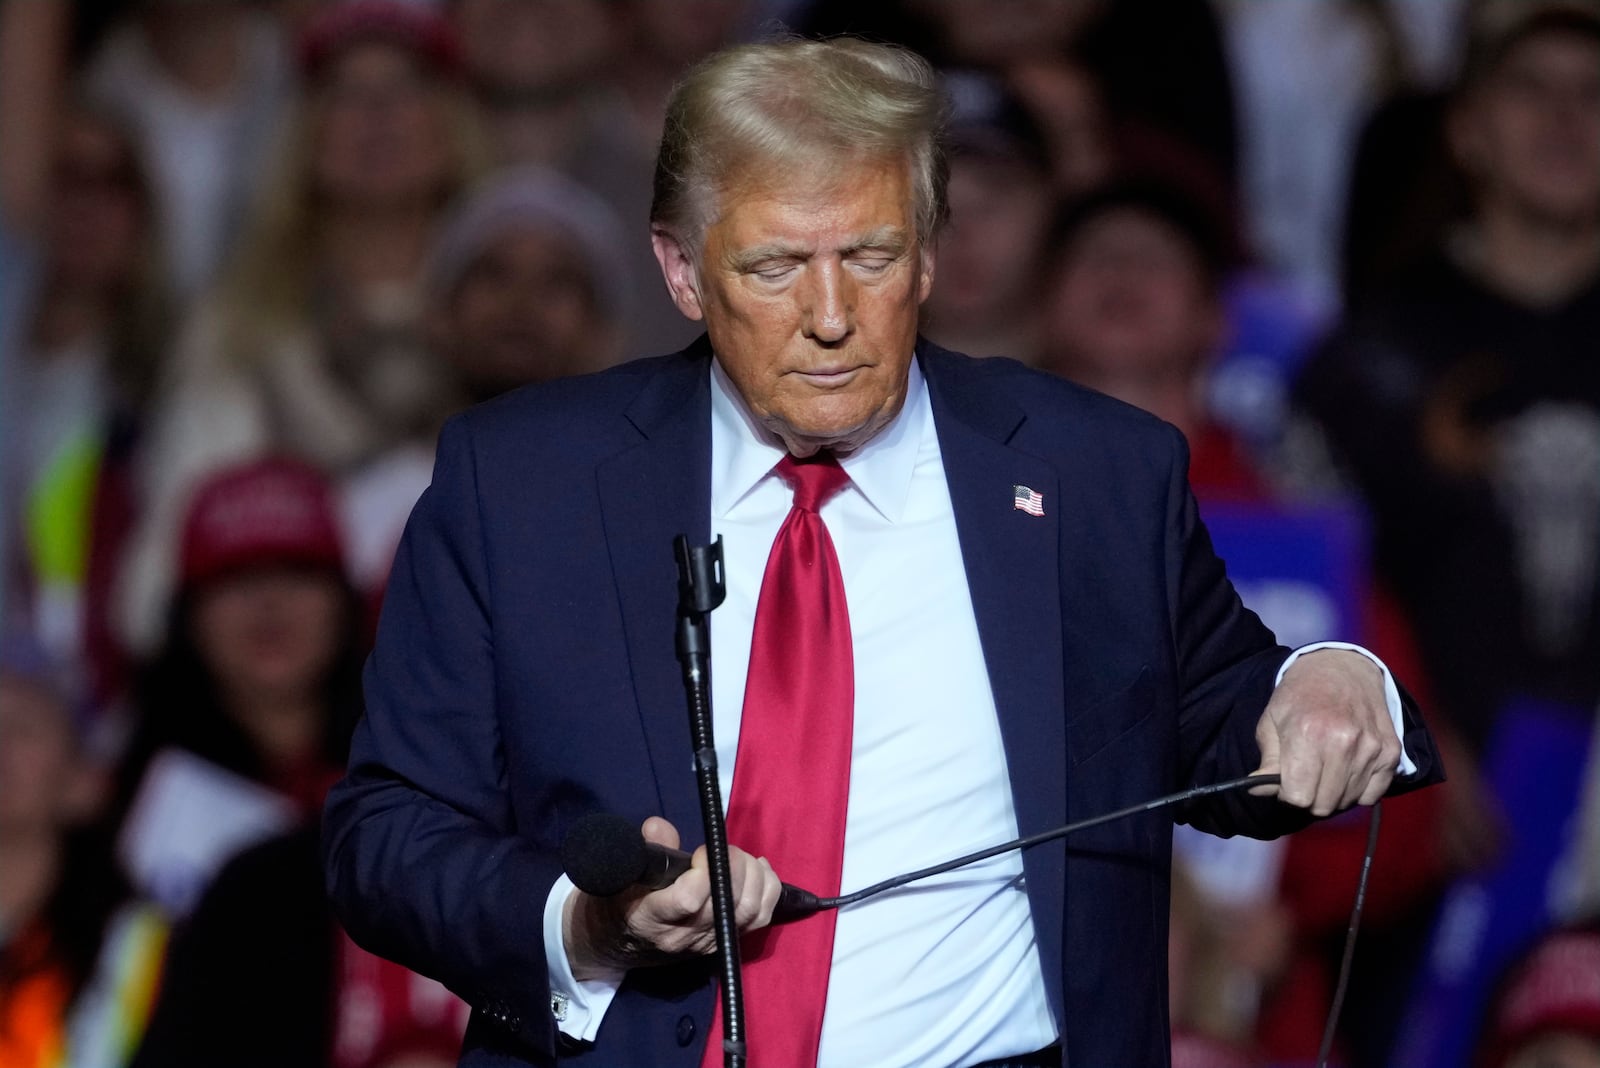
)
(776, 272)
(873, 264)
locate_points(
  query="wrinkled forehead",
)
(833, 187)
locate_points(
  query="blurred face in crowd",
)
(43, 784)
(382, 138)
(525, 311)
(98, 213)
(270, 633)
(1066, 102)
(989, 253)
(809, 286)
(527, 45)
(1530, 135)
(1131, 296)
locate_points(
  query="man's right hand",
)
(642, 927)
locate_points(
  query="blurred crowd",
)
(254, 252)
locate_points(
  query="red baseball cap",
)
(271, 511)
(1555, 988)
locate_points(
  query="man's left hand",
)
(1327, 733)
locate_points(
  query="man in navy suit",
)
(1040, 632)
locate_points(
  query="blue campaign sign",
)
(1302, 569)
(1535, 766)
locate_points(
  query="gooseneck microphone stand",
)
(700, 589)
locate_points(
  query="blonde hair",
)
(781, 105)
(267, 287)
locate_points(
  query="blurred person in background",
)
(1466, 401)
(538, 69)
(205, 84)
(1133, 310)
(526, 283)
(313, 343)
(1070, 109)
(661, 40)
(260, 677)
(1136, 310)
(259, 671)
(1546, 1012)
(90, 347)
(1091, 69)
(78, 958)
(1307, 77)
(986, 294)
(549, 76)
(1157, 64)
(657, 41)
(261, 976)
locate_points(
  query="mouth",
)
(830, 377)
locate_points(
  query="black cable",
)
(1356, 910)
(1045, 836)
(1373, 822)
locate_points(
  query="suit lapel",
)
(1012, 561)
(649, 494)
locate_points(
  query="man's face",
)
(1531, 133)
(809, 288)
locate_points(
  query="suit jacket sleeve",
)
(421, 853)
(1227, 664)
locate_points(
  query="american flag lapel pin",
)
(1027, 500)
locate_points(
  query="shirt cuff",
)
(1391, 694)
(577, 1005)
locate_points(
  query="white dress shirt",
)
(946, 971)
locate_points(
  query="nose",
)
(829, 312)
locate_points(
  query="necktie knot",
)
(814, 480)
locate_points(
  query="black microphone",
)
(604, 854)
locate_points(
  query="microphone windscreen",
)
(603, 854)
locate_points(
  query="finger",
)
(747, 888)
(1377, 785)
(1343, 764)
(771, 890)
(661, 832)
(1267, 741)
(759, 894)
(688, 896)
(1367, 767)
(1385, 764)
(1301, 769)
(1370, 769)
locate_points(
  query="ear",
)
(678, 268)
(926, 256)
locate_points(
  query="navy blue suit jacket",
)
(525, 676)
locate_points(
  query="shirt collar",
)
(744, 452)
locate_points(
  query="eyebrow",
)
(883, 239)
(889, 239)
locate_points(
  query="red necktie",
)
(791, 778)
